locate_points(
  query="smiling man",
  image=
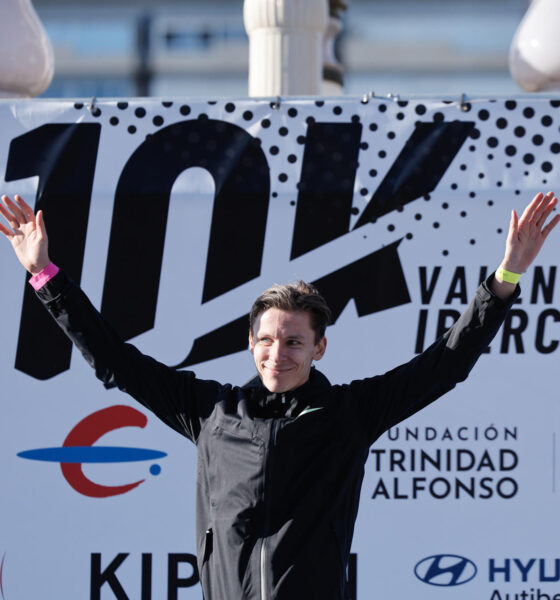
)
(287, 333)
(280, 459)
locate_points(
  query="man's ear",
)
(251, 342)
(320, 349)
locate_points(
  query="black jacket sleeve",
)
(177, 397)
(385, 400)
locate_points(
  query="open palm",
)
(27, 235)
(528, 233)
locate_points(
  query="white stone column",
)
(332, 69)
(285, 46)
(26, 54)
(534, 56)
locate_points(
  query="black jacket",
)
(278, 475)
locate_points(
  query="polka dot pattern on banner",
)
(512, 150)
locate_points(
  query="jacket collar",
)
(291, 403)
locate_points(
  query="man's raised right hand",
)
(27, 235)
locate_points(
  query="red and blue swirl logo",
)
(78, 449)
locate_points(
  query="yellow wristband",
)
(508, 276)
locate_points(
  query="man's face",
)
(283, 345)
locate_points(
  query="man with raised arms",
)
(280, 459)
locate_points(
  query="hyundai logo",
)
(445, 570)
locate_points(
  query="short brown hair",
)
(294, 297)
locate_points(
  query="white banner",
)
(175, 216)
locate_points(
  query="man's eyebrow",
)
(295, 336)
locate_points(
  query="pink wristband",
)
(39, 280)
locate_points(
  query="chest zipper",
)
(267, 495)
